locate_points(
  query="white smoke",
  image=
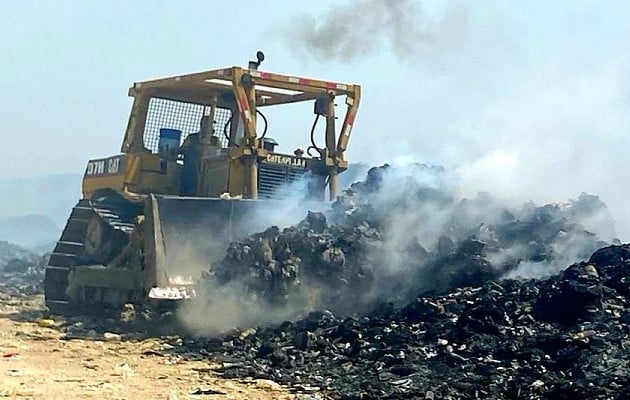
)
(219, 308)
(528, 101)
(524, 105)
(424, 217)
(555, 136)
(407, 214)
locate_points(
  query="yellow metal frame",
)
(244, 90)
(138, 175)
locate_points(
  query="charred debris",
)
(401, 291)
(478, 304)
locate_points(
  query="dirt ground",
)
(40, 362)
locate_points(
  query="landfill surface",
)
(21, 270)
(399, 233)
(45, 357)
(564, 337)
(402, 290)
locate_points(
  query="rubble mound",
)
(402, 290)
(400, 232)
(562, 337)
(21, 271)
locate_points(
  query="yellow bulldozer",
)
(196, 169)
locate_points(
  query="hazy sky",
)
(528, 99)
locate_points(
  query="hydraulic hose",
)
(313, 144)
(229, 122)
(225, 133)
(266, 123)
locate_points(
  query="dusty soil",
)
(41, 362)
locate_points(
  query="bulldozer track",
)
(69, 248)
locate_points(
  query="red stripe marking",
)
(351, 117)
(244, 104)
(331, 85)
(304, 81)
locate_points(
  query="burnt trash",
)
(17, 265)
(21, 271)
(491, 341)
(389, 301)
(577, 294)
(374, 245)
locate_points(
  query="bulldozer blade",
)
(184, 236)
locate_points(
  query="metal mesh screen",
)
(163, 113)
(273, 178)
(221, 118)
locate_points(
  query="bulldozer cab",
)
(232, 153)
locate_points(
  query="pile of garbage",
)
(402, 232)
(563, 337)
(9, 251)
(402, 290)
(21, 271)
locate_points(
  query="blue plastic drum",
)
(169, 140)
